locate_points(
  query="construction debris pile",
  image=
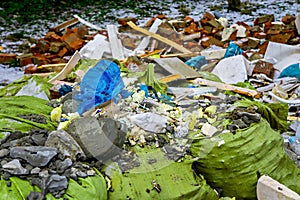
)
(178, 109)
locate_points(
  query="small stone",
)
(65, 144)
(6, 176)
(3, 162)
(44, 173)
(57, 183)
(90, 172)
(35, 196)
(62, 166)
(35, 170)
(81, 174)
(4, 152)
(14, 167)
(37, 156)
(8, 184)
(39, 139)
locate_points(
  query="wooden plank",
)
(67, 69)
(116, 46)
(88, 23)
(170, 78)
(42, 74)
(176, 66)
(65, 24)
(223, 86)
(145, 41)
(160, 38)
(270, 189)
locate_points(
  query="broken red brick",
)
(260, 35)
(288, 19)
(55, 47)
(72, 40)
(82, 31)
(263, 47)
(281, 38)
(208, 41)
(52, 37)
(31, 69)
(7, 58)
(149, 22)
(26, 61)
(42, 46)
(192, 28)
(62, 52)
(263, 19)
(123, 21)
(263, 67)
(208, 16)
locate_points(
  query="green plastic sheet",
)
(177, 180)
(149, 79)
(234, 163)
(275, 113)
(11, 108)
(90, 188)
(14, 87)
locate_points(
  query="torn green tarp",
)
(23, 113)
(90, 188)
(33, 85)
(275, 113)
(177, 180)
(234, 163)
(149, 80)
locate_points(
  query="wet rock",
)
(37, 156)
(35, 196)
(70, 106)
(62, 166)
(35, 118)
(4, 152)
(90, 172)
(44, 173)
(81, 174)
(14, 167)
(39, 139)
(35, 170)
(150, 122)
(65, 144)
(100, 138)
(57, 183)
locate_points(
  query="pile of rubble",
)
(179, 102)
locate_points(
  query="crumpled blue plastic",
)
(291, 71)
(197, 62)
(65, 89)
(100, 84)
(233, 50)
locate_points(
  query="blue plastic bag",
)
(291, 71)
(99, 85)
(233, 50)
(197, 62)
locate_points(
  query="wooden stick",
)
(160, 38)
(223, 86)
(65, 24)
(52, 65)
(67, 69)
(170, 78)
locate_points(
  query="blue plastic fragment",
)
(100, 84)
(197, 62)
(233, 50)
(65, 89)
(292, 139)
(291, 71)
(145, 89)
